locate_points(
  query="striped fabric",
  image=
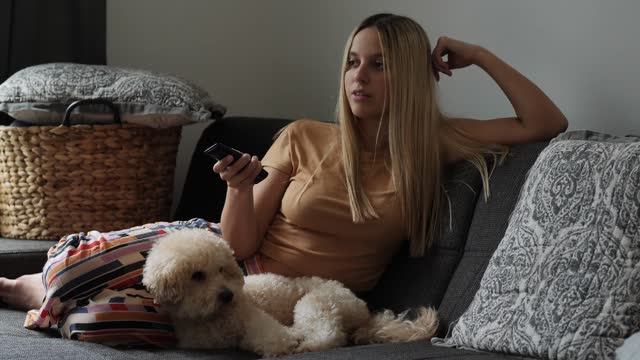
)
(94, 291)
(251, 265)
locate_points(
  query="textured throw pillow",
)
(40, 95)
(564, 282)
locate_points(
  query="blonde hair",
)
(417, 132)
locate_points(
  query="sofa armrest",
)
(19, 257)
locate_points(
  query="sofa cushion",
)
(563, 281)
(415, 350)
(486, 230)
(17, 342)
(410, 282)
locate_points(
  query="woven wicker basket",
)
(56, 180)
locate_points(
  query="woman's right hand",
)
(241, 174)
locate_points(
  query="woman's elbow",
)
(563, 124)
(242, 248)
(553, 127)
(243, 253)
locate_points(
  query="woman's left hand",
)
(459, 55)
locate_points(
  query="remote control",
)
(219, 151)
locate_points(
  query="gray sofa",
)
(447, 277)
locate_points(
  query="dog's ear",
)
(164, 281)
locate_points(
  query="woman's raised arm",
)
(537, 117)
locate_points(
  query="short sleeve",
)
(279, 155)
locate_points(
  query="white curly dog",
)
(193, 274)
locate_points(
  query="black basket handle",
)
(66, 121)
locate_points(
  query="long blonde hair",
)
(417, 132)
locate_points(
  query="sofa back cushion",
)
(204, 192)
(411, 282)
(486, 230)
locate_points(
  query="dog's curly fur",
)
(194, 275)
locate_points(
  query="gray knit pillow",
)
(564, 282)
(40, 94)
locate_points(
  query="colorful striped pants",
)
(93, 287)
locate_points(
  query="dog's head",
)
(193, 274)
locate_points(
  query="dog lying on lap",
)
(194, 275)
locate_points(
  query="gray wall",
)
(281, 58)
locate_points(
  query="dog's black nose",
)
(226, 296)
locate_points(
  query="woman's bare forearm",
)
(532, 106)
(238, 223)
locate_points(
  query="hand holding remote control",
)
(219, 151)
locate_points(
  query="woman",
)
(387, 108)
(340, 199)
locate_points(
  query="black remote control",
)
(219, 151)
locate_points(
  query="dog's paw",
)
(285, 344)
(320, 342)
(296, 338)
(311, 346)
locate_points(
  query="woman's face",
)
(365, 77)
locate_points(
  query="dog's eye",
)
(198, 276)
(221, 269)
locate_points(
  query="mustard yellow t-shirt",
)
(314, 234)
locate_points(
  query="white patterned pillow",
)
(40, 95)
(564, 282)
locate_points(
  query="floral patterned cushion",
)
(40, 94)
(564, 282)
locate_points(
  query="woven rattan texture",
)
(56, 180)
